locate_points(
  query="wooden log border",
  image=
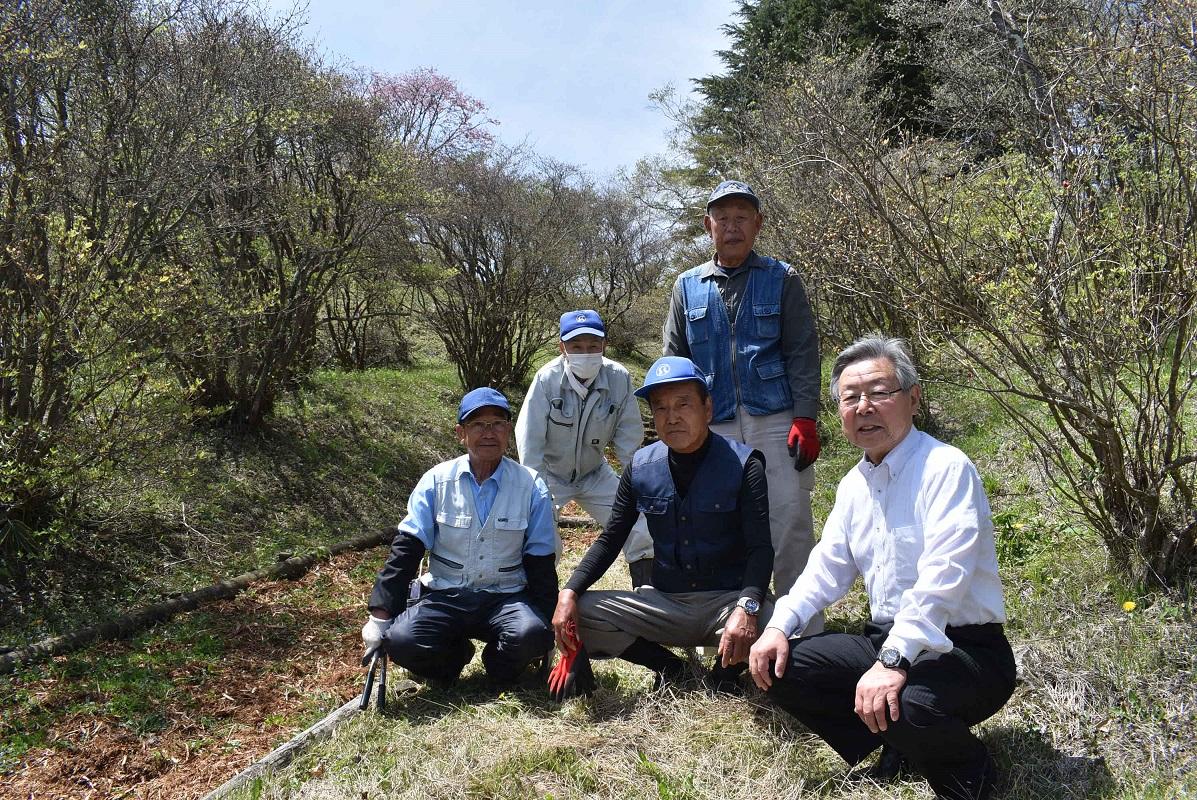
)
(134, 621)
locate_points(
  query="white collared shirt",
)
(918, 527)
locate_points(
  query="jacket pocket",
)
(447, 562)
(652, 505)
(768, 320)
(697, 330)
(511, 524)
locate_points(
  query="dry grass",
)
(1106, 708)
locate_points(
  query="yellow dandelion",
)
(1129, 605)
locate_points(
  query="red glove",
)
(567, 678)
(560, 672)
(803, 442)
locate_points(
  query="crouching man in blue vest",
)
(487, 525)
(707, 504)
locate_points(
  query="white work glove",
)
(374, 630)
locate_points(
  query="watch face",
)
(749, 605)
(889, 657)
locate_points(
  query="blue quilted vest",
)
(743, 364)
(697, 544)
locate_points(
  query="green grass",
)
(338, 460)
(1106, 706)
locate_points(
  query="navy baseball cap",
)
(576, 323)
(480, 398)
(670, 369)
(734, 189)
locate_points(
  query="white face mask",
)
(584, 366)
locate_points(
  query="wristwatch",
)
(750, 606)
(891, 658)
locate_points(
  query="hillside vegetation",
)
(1106, 707)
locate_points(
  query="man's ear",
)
(916, 397)
(706, 223)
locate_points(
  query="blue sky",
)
(571, 77)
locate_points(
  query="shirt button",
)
(685, 541)
(716, 506)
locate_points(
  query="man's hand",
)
(565, 620)
(803, 442)
(739, 632)
(374, 630)
(770, 654)
(876, 691)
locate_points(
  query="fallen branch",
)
(281, 756)
(134, 621)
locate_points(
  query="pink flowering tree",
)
(429, 115)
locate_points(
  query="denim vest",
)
(747, 360)
(470, 553)
(697, 543)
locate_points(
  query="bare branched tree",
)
(1058, 271)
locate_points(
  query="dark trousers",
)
(431, 637)
(945, 694)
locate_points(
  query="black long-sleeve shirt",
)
(754, 522)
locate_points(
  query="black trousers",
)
(431, 637)
(945, 694)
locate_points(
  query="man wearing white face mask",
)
(577, 404)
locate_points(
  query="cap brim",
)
(583, 331)
(476, 409)
(644, 391)
(756, 201)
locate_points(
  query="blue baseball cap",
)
(480, 398)
(576, 323)
(734, 189)
(670, 369)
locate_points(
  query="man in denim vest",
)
(745, 321)
(579, 403)
(707, 506)
(487, 525)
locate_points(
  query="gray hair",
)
(866, 348)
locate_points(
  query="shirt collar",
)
(495, 476)
(711, 269)
(895, 460)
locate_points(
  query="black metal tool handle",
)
(381, 702)
(373, 656)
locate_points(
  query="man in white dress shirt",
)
(912, 518)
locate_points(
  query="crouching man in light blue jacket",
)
(577, 404)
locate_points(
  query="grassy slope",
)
(1106, 708)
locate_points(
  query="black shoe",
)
(672, 676)
(725, 679)
(668, 668)
(980, 784)
(891, 766)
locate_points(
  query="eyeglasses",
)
(478, 426)
(875, 398)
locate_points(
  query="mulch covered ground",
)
(284, 663)
(234, 710)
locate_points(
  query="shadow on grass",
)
(1032, 767)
